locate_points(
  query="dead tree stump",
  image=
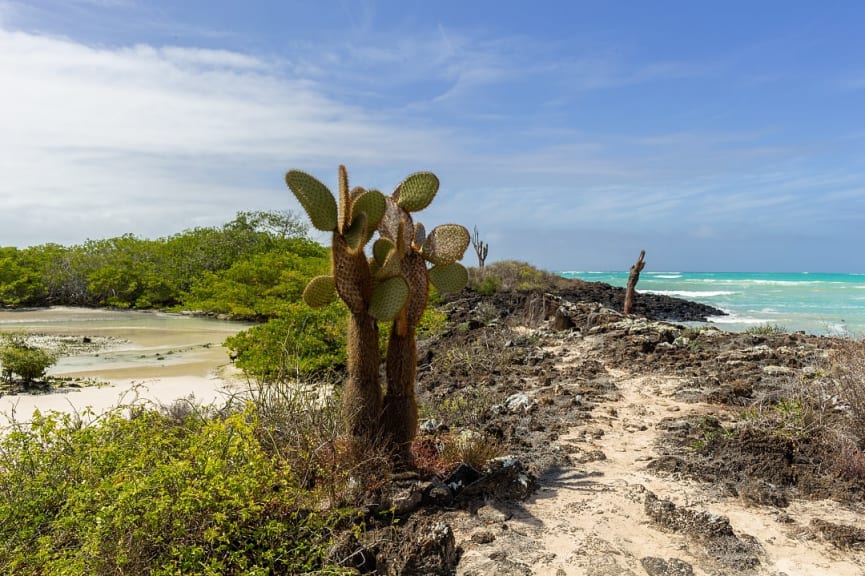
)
(633, 278)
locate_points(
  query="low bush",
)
(152, 494)
(823, 414)
(302, 341)
(766, 329)
(847, 370)
(512, 275)
(18, 358)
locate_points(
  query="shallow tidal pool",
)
(146, 355)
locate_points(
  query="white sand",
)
(156, 358)
(154, 391)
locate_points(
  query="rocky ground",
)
(625, 445)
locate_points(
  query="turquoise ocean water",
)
(816, 303)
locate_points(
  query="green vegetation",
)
(18, 358)
(253, 268)
(766, 329)
(250, 488)
(243, 268)
(193, 493)
(512, 275)
(301, 341)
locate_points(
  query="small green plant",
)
(433, 323)
(766, 329)
(18, 358)
(489, 285)
(709, 429)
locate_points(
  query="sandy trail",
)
(589, 519)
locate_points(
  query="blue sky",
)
(724, 136)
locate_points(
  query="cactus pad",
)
(344, 214)
(391, 265)
(315, 198)
(381, 249)
(451, 277)
(388, 298)
(373, 204)
(446, 244)
(417, 191)
(355, 236)
(390, 222)
(320, 291)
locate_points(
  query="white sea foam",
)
(668, 276)
(733, 319)
(786, 282)
(690, 293)
(837, 330)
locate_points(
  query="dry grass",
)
(824, 413)
(847, 371)
(442, 454)
(300, 422)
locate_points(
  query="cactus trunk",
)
(362, 402)
(400, 416)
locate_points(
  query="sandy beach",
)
(131, 357)
(121, 392)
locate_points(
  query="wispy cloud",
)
(94, 128)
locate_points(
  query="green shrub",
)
(513, 275)
(21, 359)
(489, 285)
(766, 329)
(153, 495)
(301, 341)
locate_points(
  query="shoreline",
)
(141, 356)
(121, 393)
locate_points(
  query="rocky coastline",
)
(626, 448)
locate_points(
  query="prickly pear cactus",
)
(409, 244)
(392, 285)
(352, 220)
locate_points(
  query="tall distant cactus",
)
(392, 285)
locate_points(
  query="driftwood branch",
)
(633, 278)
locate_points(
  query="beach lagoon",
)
(116, 356)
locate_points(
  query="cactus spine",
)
(391, 286)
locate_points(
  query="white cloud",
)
(99, 141)
(95, 130)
